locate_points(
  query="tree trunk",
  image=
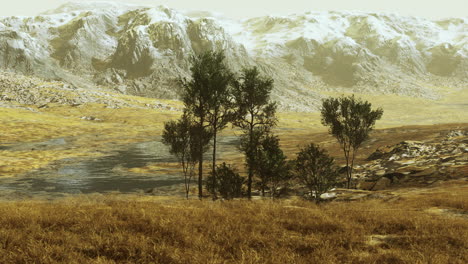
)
(200, 174)
(348, 172)
(187, 186)
(200, 159)
(249, 180)
(272, 189)
(215, 131)
(352, 166)
(348, 167)
(249, 183)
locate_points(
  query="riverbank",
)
(54, 153)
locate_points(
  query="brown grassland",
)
(416, 226)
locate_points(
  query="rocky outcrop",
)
(32, 91)
(145, 50)
(416, 163)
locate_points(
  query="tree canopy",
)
(350, 121)
(316, 170)
(254, 114)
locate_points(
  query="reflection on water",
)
(89, 185)
(109, 173)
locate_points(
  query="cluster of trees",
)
(215, 97)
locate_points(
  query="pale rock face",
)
(145, 50)
(416, 162)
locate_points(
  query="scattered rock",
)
(426, 172)
(28, 90)
(366, 185)
(394, 176)
(381, 184)
(90, 118)
(415, 162)
(381, 152)
(409, 169)
(380, 173)
(152, 191)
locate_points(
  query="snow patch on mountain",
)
(144, 50)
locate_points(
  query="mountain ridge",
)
(145, 50)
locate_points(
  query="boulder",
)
(427, 172)
(381, 184)
(366, 185)
(409, 169)
(394, 176)
(380, 173)
(152, 191)
(381, 152)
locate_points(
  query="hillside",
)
(144, 50)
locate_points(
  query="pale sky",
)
(433, 9)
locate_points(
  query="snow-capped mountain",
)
(145, 50)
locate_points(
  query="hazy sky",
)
(248, 8)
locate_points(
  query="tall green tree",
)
(182, 138)
(254, 114)
(206, 96)
(315, 169)
(271, 166)
(350, 120)
(220, 104)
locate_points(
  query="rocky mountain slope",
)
(18, 91)
(145, 50)
(416, 163)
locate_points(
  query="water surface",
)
(107, 174)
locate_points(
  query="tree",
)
(227, 182)
(350, 121)
(271, 166)
(220, 102)
(182, 137)
(315, 169)
(206, 97)
(254, 113)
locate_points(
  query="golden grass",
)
(20, 125)
(100, 229)
(17, 162)
(401, 110)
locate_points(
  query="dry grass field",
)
(415, 226)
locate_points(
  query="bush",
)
(315, 169)
(271, 166)
(228, 183)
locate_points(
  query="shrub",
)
(271, 166)
(315, 169)
(228, 183)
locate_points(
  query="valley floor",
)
(41, 141)
(427, 224)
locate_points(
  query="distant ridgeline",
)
(145, 51)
